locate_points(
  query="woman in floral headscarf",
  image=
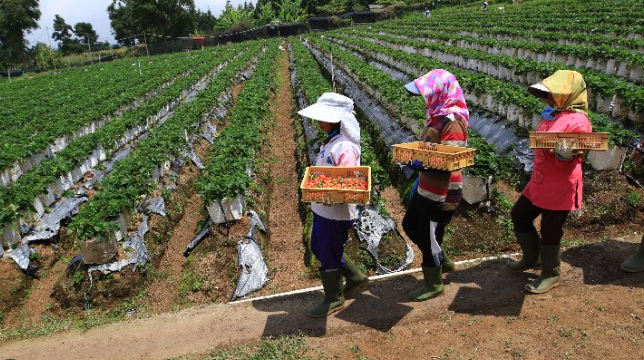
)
(437, 193)
(556, 184)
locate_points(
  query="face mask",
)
(333, 133)
(547, 113)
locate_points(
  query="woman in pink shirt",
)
(556, 184)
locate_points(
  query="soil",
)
(166, 292)
(13, 283)
(285, 246)
(597, 312)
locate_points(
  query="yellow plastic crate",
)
(337, 196)
(434, 156)
(597, 141)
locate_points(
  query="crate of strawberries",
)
(337, 185)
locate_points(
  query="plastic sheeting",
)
(190, 153)
(198, 238)
(135, 246)
(22, 256)
(254, 273)
(500, 133)
(49, 225)
(371, 227)
(154, 205)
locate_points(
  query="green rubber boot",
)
(447, 265)
(550, 276)
(433, 285)
(333, 300)
(529, 243)
(355, 280)
(636, 262)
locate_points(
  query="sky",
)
(95, 12)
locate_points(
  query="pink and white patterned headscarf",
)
(443, 96)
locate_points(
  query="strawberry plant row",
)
(584, 16)
(226, 174)
(602, 58)
(509, 100)
(509, 32)
(99, 95)
(133, 177)
(19, 196)
(602, 87)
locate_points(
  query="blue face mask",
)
(333, 133)
(547, 115)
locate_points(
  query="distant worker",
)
(636, 262)
(485, 5)
(331, 223)
(437, 193)
(555, 187)
(427, 14)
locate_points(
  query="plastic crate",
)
(337, 196)
(434, 156)
(597, 141)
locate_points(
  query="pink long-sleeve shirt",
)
(556, 184)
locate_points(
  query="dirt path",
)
(597, 312)
(285, 248)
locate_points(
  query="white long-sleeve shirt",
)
(340, 151)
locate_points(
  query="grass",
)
(634, 199)
(77, 320)
(283, 348)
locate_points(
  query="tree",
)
(16, 18)
(85, 32)
(43, 56)
(154, 17)
(205, 22)
(62, 30)
(235, 19)
(291, 11)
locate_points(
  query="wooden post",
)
(139, 62)
(9, 72)
(145, 40)
(332, 73)
(89, 45)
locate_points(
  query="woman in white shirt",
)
(331, 223)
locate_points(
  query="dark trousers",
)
(327, 241)
(417, 225)
(552, 221)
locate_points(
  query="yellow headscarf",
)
(568, 91)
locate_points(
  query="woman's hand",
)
(564, 150)
(415, 165)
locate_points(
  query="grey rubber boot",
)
(333, 300)
(529, 243)
(550, 275)
(636, 262)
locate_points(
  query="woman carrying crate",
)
(437, 193)
(331, 223)
(635, 263)
(555, 187)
